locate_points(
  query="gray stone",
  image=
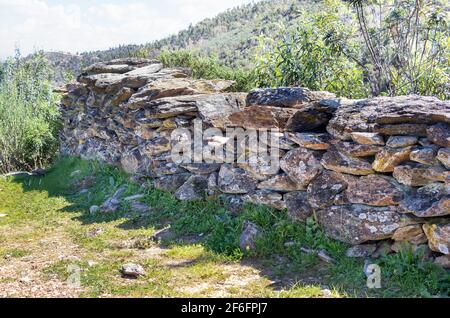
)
(432, 200)
(266, 197)
(297, 205)
(364, 138)
(401, 141)
(131, 270)
(356, 224)
(251, 232)
(292, 97)
(194, 189)
(235, 180)
(281, 183)
(357, 150)
(426, 156)
(361, 251)
(444, 157)
(301, 165)
(440, 133)
(327, 189)
(343, 163)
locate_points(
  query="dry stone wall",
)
(368, 170)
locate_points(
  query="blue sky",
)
(77, 26)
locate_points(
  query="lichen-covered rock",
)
(402, 115)
(341, 162)
(357, 150)
(292, 97)
(266, 197)
(388, 158)
(256, 117)
(426, 155)
(411, 233)
(297, 205)
(361, 251)
(440, 133)
(432, 200)
(444, 157)
(356, 224)
(251, 232)
(301, 165)
(416, 175)
(311, 141)
(201, 168)
(374, 190)
(194, 189)
(171, 183)
(438, 237)
(281, 183)
(327, 189)
(235, 180)
(131, 270)
(313, 117)
(131, 161)
(401, 141)
(443, 261)
(365, 138)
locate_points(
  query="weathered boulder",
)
(170, 87)
(361, 251)
(443, 261)
(357, 150)
(131, 270)
(412, 233)
(341, 162)
(444, 157)
(383, 114)
(266, 197)
(426, 155)
(327, 189)
(301, 165)
(374, 190)
(281, 183)
(292, 97)
(438, 237)
(251, 232)
(356, 224)
(201, 168)
(387, 159)
(311, 141)
(171, 183)
(440, 133)
(432, 200)
(364, 138)
(297, 205)
(313, 117)
(416, 175)
(235, 180)
(256, 117)
(401, 141)
(194, 189)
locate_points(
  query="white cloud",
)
(82, 26)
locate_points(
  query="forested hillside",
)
(231, 36)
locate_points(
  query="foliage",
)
(207, 68)
(303, 56)
(28, 115)
(369, 48)
(405, 46)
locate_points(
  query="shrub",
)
(28, 114)
(207, 68)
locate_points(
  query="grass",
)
(200, 258)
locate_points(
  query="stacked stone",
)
(368, 170)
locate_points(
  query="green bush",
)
(207, 68)
(28, 115)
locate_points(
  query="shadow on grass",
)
(87, 183)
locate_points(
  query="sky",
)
(83, 25)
